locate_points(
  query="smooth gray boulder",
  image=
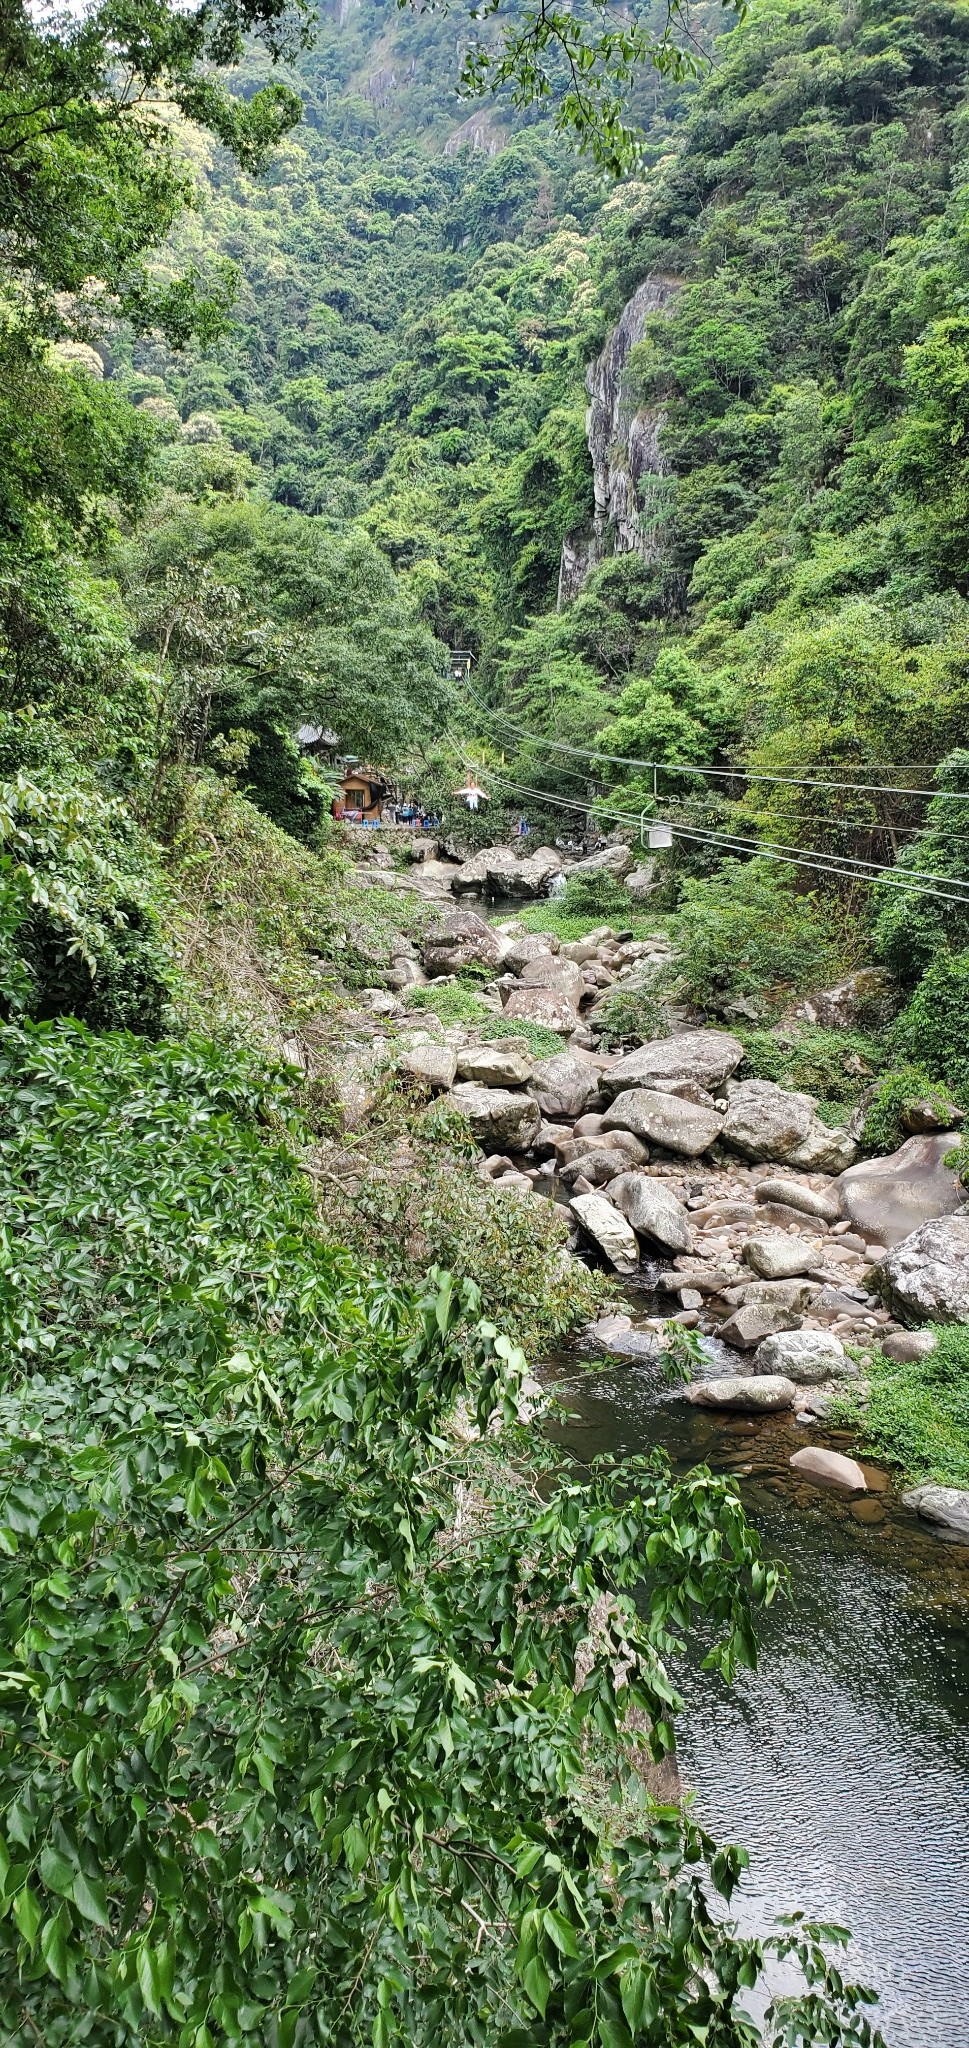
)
(597, 1166)
(808, 1201)
(829, 1468)
(527, 878)
(616, 861)
(887, 1199)
(492, 1068)
(810, 1357)
(501, 1118)
(777, 1257)
(473, 873)
(703, 1056)
(610, 1231)
(652, 1210)
(755, 1320)
(906, 1347)
(665, 1120)
(927, 1275)
(753, 1395)
(460, 940)
(564, 1085)
(436, 1064)
(946, 1506)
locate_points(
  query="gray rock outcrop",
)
(614, 1236)
(764, 1121)
(778, 1257)
(493, 1068)
(946, 1506)
(543, 1006)
(806, 1200)
(459, 940)
(564, 1086)
(755, 1395)
(809, 1357)
(435, 1064)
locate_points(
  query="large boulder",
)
(887, 1199)
(810, 1357)
(615, 861)
(473, 874)
(652, 1210)
(946, 1506)
(461, 940)
(755, 1320)
(764, 1121)
(564, 1086)
(502, 1119)
(610, 1231)
(543, 1006)
(755, 1396)
(777, 1257)
(530, 946)
(866, 1000)
(525, 878)
(706, 1057)
(644, 880)
(664, 1120)
(829, 1468)
(927, 1275)
(598, 1165)
(544, 970)
(435, 1064)
(493, 1068)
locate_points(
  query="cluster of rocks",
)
(537, 980)
(750, 1216)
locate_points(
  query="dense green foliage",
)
(918, 1415)
(304, 1692)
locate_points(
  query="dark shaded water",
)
(842, 1763)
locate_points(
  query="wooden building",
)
(362, 794)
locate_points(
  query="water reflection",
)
(842, 1763)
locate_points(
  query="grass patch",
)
(918, 1415)
(449, 1001)
(542, 1043)
(554, 917)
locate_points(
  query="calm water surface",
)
(842, 1763)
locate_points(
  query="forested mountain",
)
(325, 1718)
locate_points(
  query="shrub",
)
(79, 932)
(933, 1030)
(630, 1016)
(748, 932)
(884, 1128)
(834, 1065)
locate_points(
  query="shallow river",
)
(842, 1763)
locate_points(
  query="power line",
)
(839, 866)
(728, 774)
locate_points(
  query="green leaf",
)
(89, 1898)
(28, 1914)
(537, 1983)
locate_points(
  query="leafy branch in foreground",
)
(298, 1696)
(549, 55)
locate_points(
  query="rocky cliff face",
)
(624, 443)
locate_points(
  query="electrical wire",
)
(728, 774)
(857, 871)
